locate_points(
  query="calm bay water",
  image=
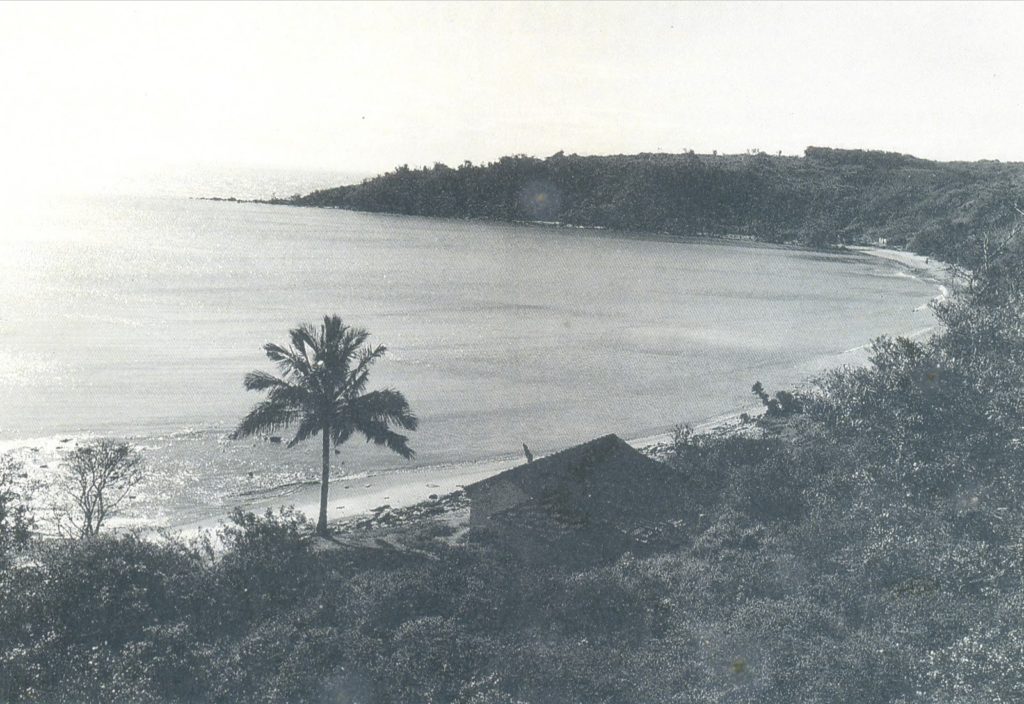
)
(138, 316)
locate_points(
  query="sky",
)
(88, 89)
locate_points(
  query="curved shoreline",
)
(354, 495)
(927, 268)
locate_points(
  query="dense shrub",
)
(15, 517)
(72, 615)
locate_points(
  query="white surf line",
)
(936, 270)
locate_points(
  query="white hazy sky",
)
(88, 88)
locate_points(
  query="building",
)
(590, 499)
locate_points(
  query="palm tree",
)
(322, 390)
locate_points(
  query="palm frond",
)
(348, 341)
(332, 329)
(276, 353)
(360, 374)
(385, 406)
(266, 416)
(341, 433)
(260, 381)
(304, 340)
(289, 361)
(378, 433)
(293, 395)
(309, 426)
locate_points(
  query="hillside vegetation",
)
(828, 196)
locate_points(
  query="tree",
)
(99, 478)
(15, 519)
(324, 373)
(784, 403)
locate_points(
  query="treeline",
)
(826, 197)
(859, 542)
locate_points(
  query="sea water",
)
(136, 316)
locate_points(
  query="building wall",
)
(496, 496)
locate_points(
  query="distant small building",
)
(588, 498)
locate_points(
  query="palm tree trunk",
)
(321, 522)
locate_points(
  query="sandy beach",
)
(353, 496)
(925, 267)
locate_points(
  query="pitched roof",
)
(590, 453)
(604, 473)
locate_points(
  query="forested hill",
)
(828, 196)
